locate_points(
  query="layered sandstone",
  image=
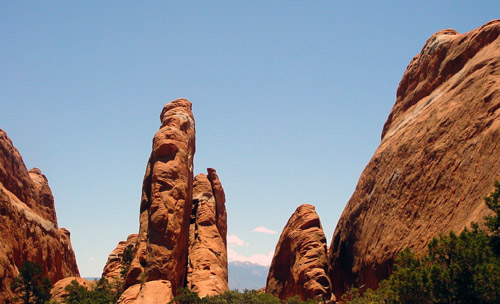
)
(300, 264)
(438, 158)
(207, 260)
(28, 224)
(114, 267)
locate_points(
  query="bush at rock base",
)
(187, 296)
(458, 268)
(30, 285)
(101, 293)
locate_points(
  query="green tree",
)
(453, 271)
(458, 268)
(127, 257)
(186, 296)
(30, 285)
(493, 221)
(100, 293)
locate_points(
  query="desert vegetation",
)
(458, 268)
(30, 286)
(246, 296)
(102, 292)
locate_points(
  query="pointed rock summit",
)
(300, 264)
(437, 160)
(28, 223)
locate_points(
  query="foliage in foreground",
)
(187, 296)
(30, 286)
(104, 291)
(458, 268)
(100, 293)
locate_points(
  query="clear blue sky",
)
(289, 99)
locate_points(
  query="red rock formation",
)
(59, 292)
(169, 248)
(153, 292)
(438, 158)
(114, 264)
(220, 200)
(300, 264)
(207, 260)
(28, 224)
(162, 248)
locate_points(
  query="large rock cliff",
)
(28, 223)
(300, 265)
(438, 158)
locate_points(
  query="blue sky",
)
(289, 99)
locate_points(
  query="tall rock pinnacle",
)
(161, 252)
(207, 263)
(183, 222)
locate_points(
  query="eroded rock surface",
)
(182, 236)
(162, 247)
(115, 264)
(59, 292)
(153, 292)
(437, 160)
(207, 260)
(300, 264)
(28, 224)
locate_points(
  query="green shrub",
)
(30, 285)
(127, 257)
(104, 291)
(100, 293)
(186, 296)
(458, 268)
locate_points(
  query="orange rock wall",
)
(437, 160)
(28, 224)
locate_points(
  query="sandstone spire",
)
(300, 266)
(161, 252)
(207, 263)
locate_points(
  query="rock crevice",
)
(207, 259)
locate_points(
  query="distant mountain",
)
(247, 275)
(92, 278)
